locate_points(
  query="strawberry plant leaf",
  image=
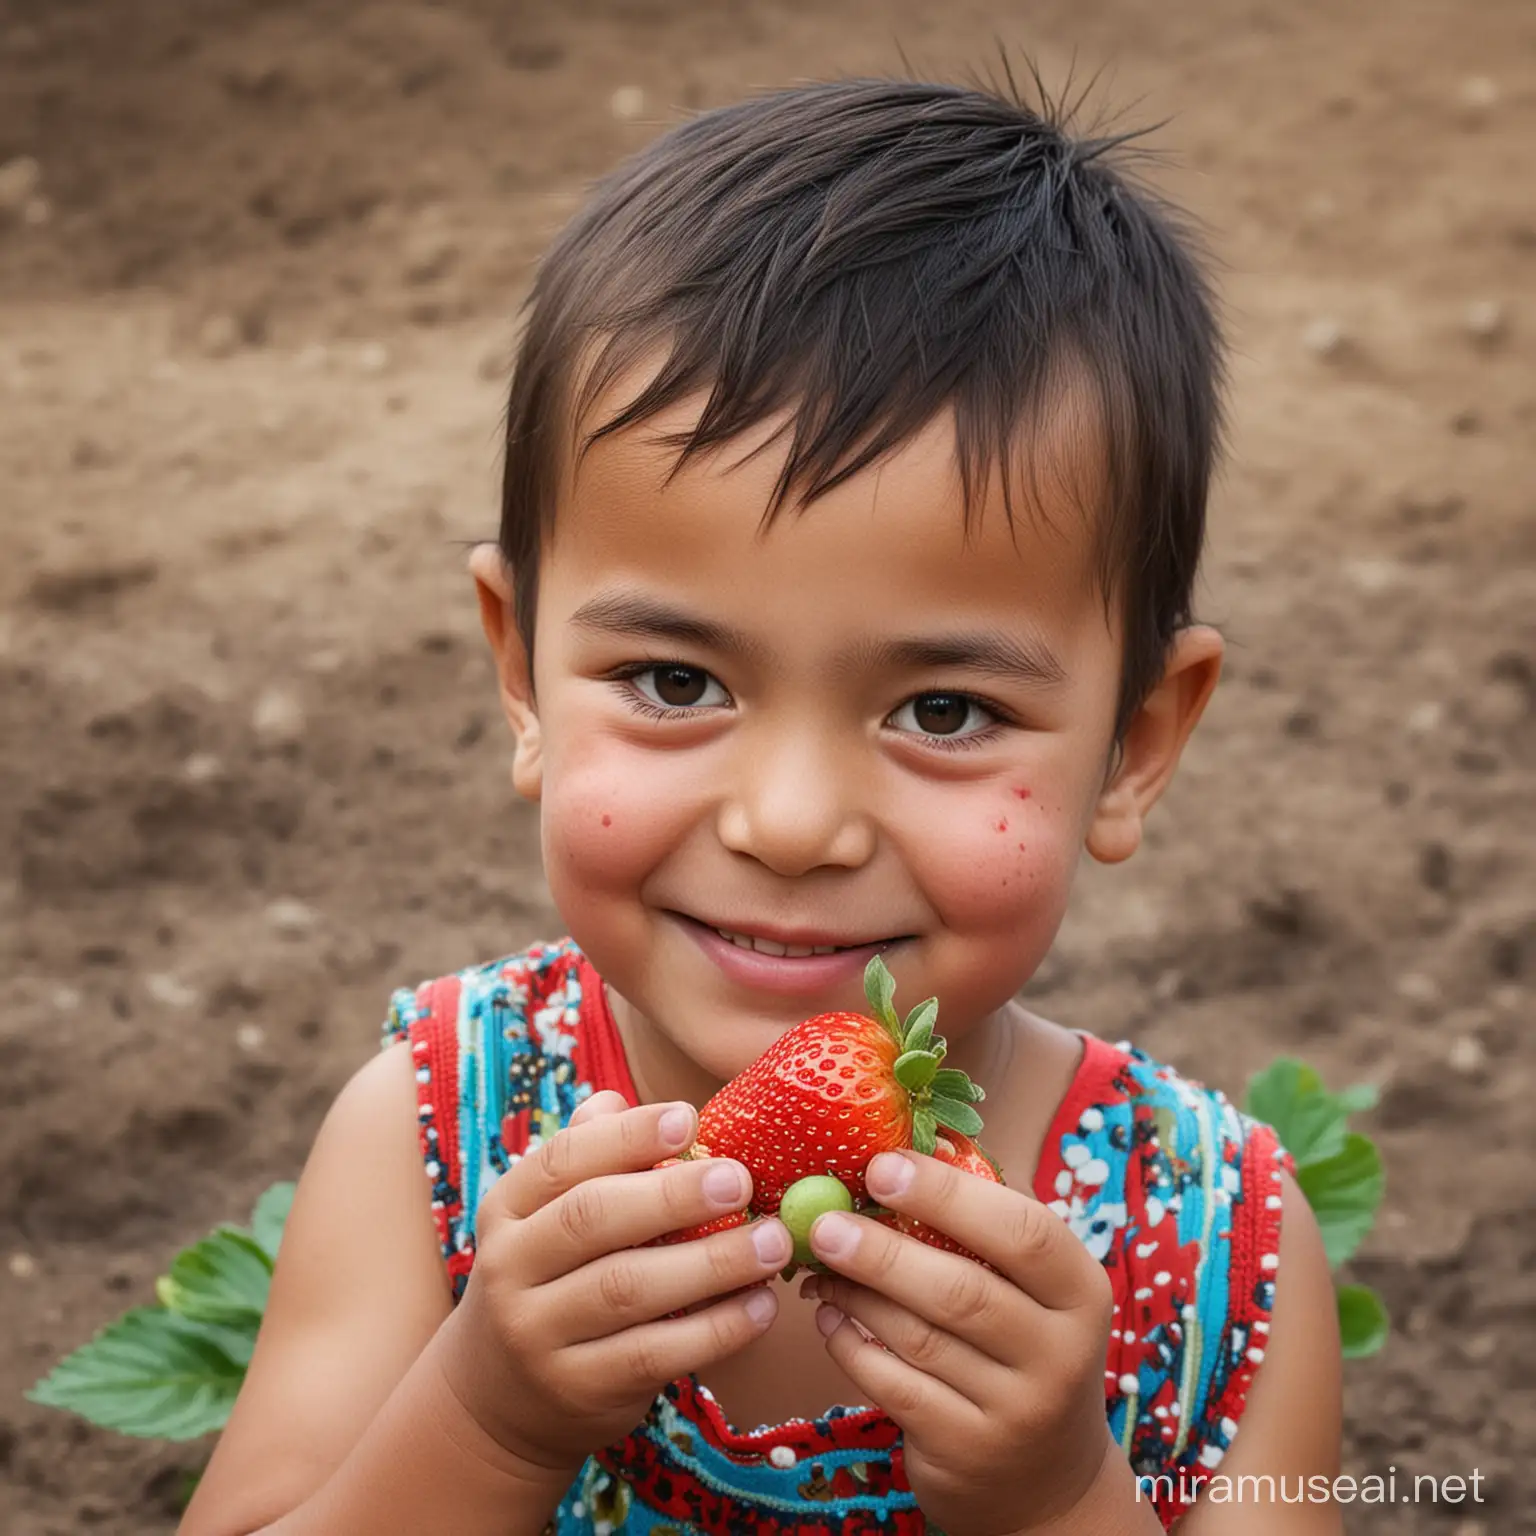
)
(152, 1374)
(956, 1114)
(1344, 1192)
(954, 1084)
(924, 1131)
(1359, 1097)
(1309, 1120)
(1363, 1324)
(917, 1031)
(223, 1278)
(271, 1216)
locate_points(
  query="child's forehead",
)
(1050, 482)
(900, 534)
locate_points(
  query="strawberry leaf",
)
(954, 1084)
(223, 1278)
(917, 1031)
(1344, 1192)
(924, 1132)
(916, 1069)
(1363, 1321)
(151, 1373)
(880, 989)
(1309, 1120)
(271, 1215)
(958, 1116)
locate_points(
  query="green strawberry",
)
(803, 1202)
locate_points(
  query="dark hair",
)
(865, 253)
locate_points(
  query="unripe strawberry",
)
(803, 1202)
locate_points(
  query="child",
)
(856, 468)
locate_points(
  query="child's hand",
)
(562, 1338)
(997, 1380)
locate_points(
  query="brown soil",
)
(252, 321)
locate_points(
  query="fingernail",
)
(676, 1126)
(889, 1174)
(725, 1183)
(761, 1306)
(772, 1242)
(828, 1319)
(834, 1235)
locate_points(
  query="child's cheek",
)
(1003, 867)
(604, 826)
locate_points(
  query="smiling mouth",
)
(767, 946)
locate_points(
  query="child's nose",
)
(797, 804)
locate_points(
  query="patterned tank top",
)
(1168, 1186)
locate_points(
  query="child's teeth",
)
(771, 947)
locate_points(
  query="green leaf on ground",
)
(1310, 1121)
(271, 1216)
(223, 1278)
(1344, 1192)
(152, 1374)
(1363, 1324)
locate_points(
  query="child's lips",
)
(792, 975)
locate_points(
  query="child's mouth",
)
(817, 961)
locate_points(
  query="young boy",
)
(856, 470)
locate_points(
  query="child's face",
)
(816, 775)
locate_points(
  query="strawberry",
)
(837, 1089)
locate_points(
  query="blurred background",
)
(259, 274)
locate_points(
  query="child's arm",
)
(358, 1295)
(370, 1406)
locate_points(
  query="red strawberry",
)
(837, 1089)
(960, 1152)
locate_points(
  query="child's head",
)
(844, 416)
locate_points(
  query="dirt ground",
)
(256, 297)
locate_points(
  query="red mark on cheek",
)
(1021, 791)
(607, 819)
(1002, 826)
(1021, 847)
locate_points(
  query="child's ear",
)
(1153, 743)
(514, 670)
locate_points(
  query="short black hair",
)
(864, 254)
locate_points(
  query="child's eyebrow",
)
(989, 651)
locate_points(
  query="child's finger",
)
(924, 1345)
(648, 1356)
(617, 1143)
(608, 1102)
(610, 1212)
(910, 1396)
(640, 1285)
(1021, 1238)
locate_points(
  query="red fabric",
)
(434, 1042)
(1089, 1086)
(599, 1053)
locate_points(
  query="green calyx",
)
(940, 1095)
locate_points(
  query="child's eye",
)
(672, 688)
(941, 718)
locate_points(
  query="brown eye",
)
(671, 685)
(940, 714)
(680, 686)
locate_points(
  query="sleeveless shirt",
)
(1172, 1189)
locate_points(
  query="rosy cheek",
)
(1014, 863)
